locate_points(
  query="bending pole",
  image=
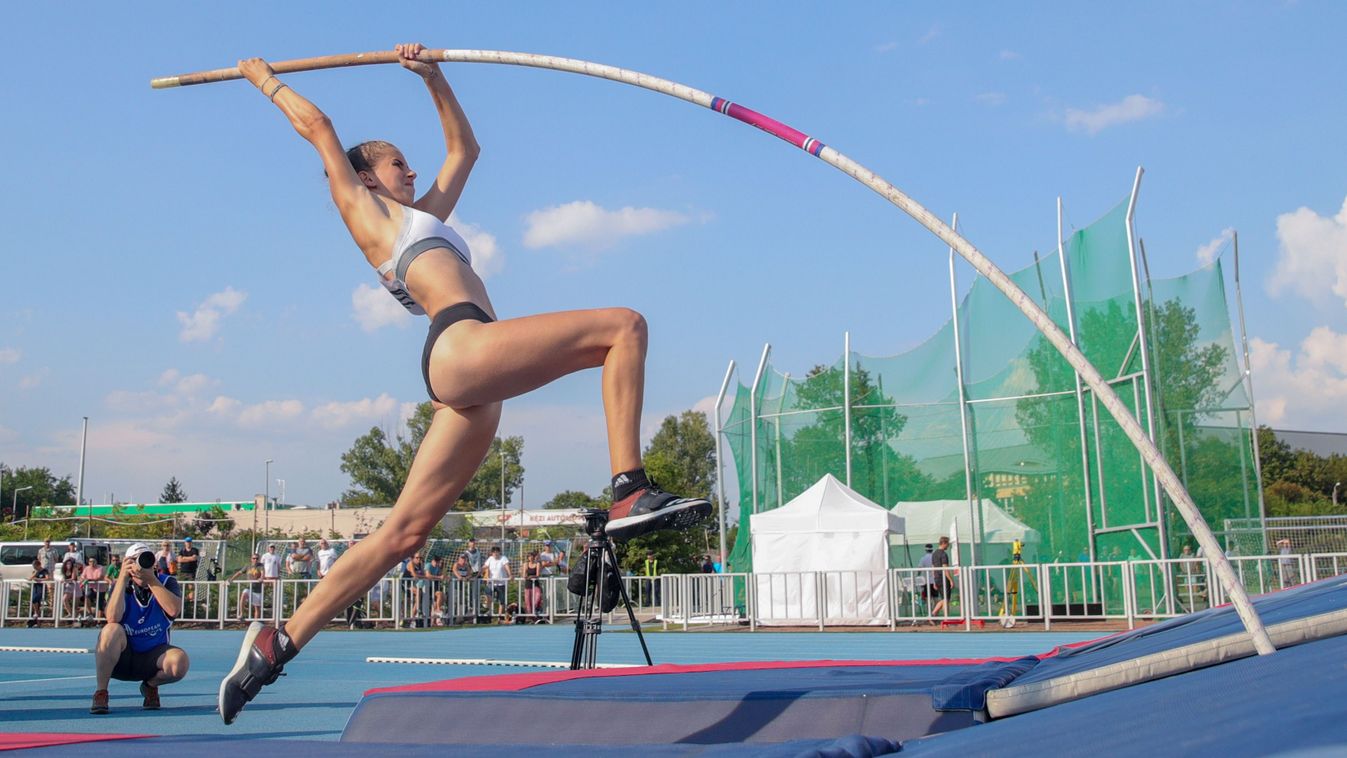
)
(1036, 315)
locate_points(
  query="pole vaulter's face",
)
(392, 177)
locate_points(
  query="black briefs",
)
(443, 320)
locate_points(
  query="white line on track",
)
(491, 662)
(29, 649)
(49, 679)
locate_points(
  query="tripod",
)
(599, 569)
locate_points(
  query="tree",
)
(173, 492)
(574, 499)
(215, 518)
(681, 458)
(483, 493)
(878, 471)
(43, 489)
(378, 464)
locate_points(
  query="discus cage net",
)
(1002, 421)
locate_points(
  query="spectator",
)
(707, 566)
(37, 583)
(475, 561)
(301, 560)
(94, 578)
(49, 556)
(497, 569)
(435, 576)
(252, 594)
(68, 580)
(189, 557)
(271, 564)
(73, 553)
(1286, 564)
(548, 559)
(414, 571)
(940, 563)
(533, 594)
(135, 646)
(164, 560)
(461, 571)
(327, 555)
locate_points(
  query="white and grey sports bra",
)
(420, 232)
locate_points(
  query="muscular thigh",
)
(475, 363)
(450, 453)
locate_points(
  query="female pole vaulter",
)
(472, 361)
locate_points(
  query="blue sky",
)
(177, 273)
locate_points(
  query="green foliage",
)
(378, 465)
(483, 493)
(46, 490)
(1298, 482)
(574, 499)
(173, 492)
(215, 519)
(680, 458)
(878, 471)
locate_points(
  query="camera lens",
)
(145, 560)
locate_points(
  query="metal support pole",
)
(720, 460)
(753, 421)
(266, 497)
(846, 400)
(1248, 385)
(785, 385)
(1080, 394)
(79, 488)
(974, 523)
(1145, 357)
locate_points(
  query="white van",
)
(16, 558)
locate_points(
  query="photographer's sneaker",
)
(100, 704)
(651, 509)
(264, 654)
(151, 695)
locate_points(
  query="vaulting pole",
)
(1150, 454)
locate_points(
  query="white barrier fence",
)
(968, 596)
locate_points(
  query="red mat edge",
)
(26, 740)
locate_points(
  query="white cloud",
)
(487, 257)
(586, 224)
(1207, 253)
(1302, 390)
(270, 413)
(9, 355)
(223, 406)
(1009, 55)
(201, 324)
(886, 47)
(992, 99)
(930, 34)
(1312, 256)
(374, 308)
(336, 415)
(707, 405)
(34, 379)
(920, 102)
(1101, 117)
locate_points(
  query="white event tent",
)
(828, 539)
(928, 520)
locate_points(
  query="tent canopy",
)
(828, 527)
(929, 520)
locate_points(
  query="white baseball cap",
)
(137, 549)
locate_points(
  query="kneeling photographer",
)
(134, 644)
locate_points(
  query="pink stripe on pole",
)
(768, 124)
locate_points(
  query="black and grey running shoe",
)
(261, 660)
(651, 509)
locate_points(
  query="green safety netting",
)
(1039, 449)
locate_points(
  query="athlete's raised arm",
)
(363, 214)
(460, 145)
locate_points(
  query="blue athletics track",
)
(1190, 685)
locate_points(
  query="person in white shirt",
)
(327, 555)
(271, 564)
(73, 551)
(497, 569)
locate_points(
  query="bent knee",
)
(176, 664)
(631, 324)
(112, 635)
